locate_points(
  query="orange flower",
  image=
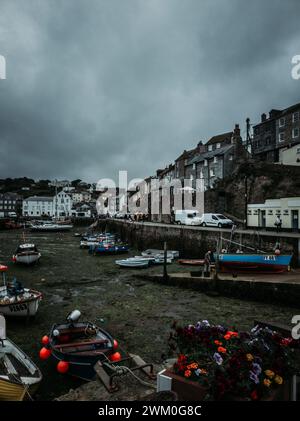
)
(187, 373)
(222, 350)
(227, 337)
(192, 366)
(218, 343)
(234, 334)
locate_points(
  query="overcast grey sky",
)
(101, 85)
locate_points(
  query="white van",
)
(12, 214)
(187, 217)
(215, 220)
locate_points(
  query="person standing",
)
(207, 261)
(278, 223)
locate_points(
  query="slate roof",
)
(211, 154)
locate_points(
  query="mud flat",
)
(137, 312)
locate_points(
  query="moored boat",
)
(19, 376)
(133, 263)
(49, 226)
(17, 301)
(27, 254)
(271, 263)
(77, 346)
(191, 262)
(155, 252)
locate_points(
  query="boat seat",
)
(80, 344)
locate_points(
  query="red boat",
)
(191, 262)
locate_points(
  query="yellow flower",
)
(249, 357)
(269, 374)
(278, 379)
(267, 382)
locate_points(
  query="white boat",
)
(156, 260)
(19, 376)
(17, 301)
(27, 254)
(133, 263)
(155, 252)
(51, 226)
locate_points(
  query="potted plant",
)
(218, 363)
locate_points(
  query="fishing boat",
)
(108, 247)
(17, 301)
(49, 226)
(77, 346)
(154, 252)
(19, 376)
(133, 263)
(191, 262)
(240, 262)
(26, 253)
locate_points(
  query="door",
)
(295, 219)
(214, 221)
(262, 219)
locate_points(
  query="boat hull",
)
(54, 228)
(25, 308)
(27, 259)
(260, 263)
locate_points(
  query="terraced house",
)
(277, 137)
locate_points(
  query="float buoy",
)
(62, 367)
(45, 353)
(45, 340)
(115, 346)
(116, 356)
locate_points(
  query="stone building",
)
(277, 133)
(222, 152)
(10, 202)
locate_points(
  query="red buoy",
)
(45, 353)
(277, 252)
(45, 340)
(115, 346)
(116, 356)
(62, 367)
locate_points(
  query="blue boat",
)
(103, 248)
(240, 262)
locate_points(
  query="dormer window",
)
(215, 159)
(218, 145)
(210, 148)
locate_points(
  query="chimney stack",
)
(263, 117)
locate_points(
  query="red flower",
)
(254, 395)
(222, 350)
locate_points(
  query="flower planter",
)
(186, 390)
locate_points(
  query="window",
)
(298, 150)
(230, 157)
(296, 117)
(205, 162)
(218, 145)
(295, 133)
(281, 122)
(211, 173)
(281, 137)
(249, 212)
(215, 159)
(210, 148)
(194, 166)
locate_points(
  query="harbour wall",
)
(193, 242)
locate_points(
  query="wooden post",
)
(165, 275)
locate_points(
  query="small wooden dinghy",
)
(19, 376)
(26, 254)
(17, 301)
(77, 346)
(191, 262)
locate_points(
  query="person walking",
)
(207, 262)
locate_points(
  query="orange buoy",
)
(62, 367)
(45, 340)
(116, 356)
(45, 353)
(115, 345)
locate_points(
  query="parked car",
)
(119, 215)
(187, 217)
(12, 215)
(215, 220)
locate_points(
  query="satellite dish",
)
(2, 327)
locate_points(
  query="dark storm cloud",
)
(101, 85)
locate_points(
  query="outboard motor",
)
(74, 316)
